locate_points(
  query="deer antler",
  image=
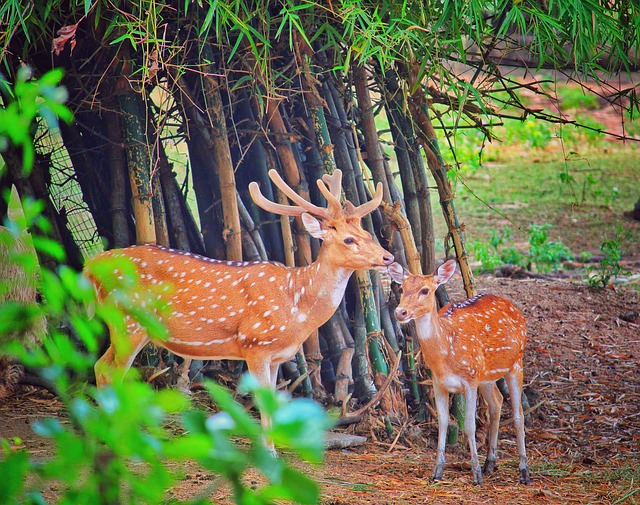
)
(330, 186)
(287, 210)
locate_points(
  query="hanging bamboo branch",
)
(427, 137)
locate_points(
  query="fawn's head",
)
(418, 291)
(347, 244)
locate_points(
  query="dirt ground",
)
(582, 359)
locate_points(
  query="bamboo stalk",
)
(118, 172)
(403, 128)
(159, 214)
(291, 173)
(173, 202)
(139, 169)
(205, 183)
(375, 160)
(220, 147)
(252, 231)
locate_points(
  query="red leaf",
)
(65, 34)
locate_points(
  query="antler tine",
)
(269, 206)
(332, 199)
(296, 198)
(334, 181)
(373, 204)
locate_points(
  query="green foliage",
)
(528, 133)
(609, 266)
(28, 99)
(498, 252)
(544, 254)
(632, 124)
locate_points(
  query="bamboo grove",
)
(177, 98)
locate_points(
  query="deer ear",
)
(397, 272)
(313, 226)
(445, 272)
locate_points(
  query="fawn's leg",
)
(471, 397)
(442, 407)
(492, 396)
(514, 381)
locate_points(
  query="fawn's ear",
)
(445, 272)
(397, 272)
(313, 226)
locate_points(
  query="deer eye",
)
(424, 291)
(400, 290)
(349, 240)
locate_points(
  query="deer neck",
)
(318, 289)
(432, 334)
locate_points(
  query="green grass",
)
(574, 97)
(583, 199)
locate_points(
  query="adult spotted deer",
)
(467, 346)
(260, 312)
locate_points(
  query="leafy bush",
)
(117, 447)
(493, 255)
(543, 254)
(591, 133)
(529, 133)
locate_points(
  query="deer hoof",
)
(438, 471)
(477, 476)
(524, 476)
(489, 466)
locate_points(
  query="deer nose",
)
(387, 259)
(401, 313)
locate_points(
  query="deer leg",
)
(492, 396)
(262, 370)
(514, 381)
(116, 357)
(471, 397)
(442, 407)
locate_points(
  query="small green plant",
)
(585, 256)
(574, 97)
(486, 255)
(545, 255)
(592, 134)
(609, 266)
(497, 252)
